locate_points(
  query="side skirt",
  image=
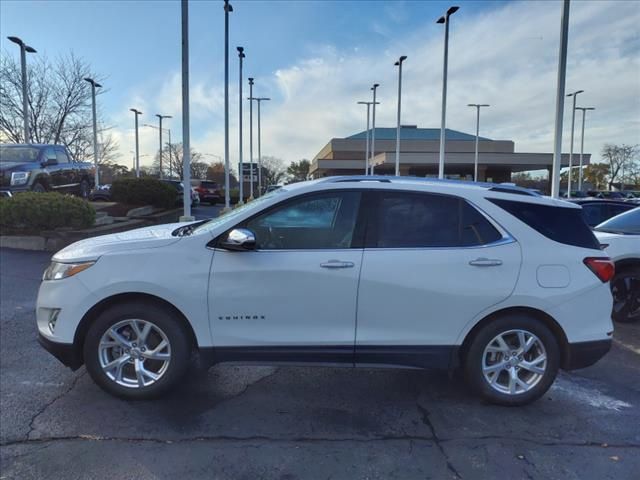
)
(412, 356)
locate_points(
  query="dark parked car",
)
(596, 211)
(42, 168)
(208, 191)
(101, 194)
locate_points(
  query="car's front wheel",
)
(136, 350)
(512, 360)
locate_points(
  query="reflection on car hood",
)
(92, 248)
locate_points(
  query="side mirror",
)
(239, 240)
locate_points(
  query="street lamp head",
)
(452, 10)
(30, 49)
(250, 80)
(92, 82)
(163, 116)
(400, 60)
(137, 112)
(375, 85)
(574, 93)
(227, 6)
(240, 49)
(16, 40)
(440, 20)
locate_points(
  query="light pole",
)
(366, 155)
(562, 73)
(475, 160)
(96, 153)
(260, 100)
(135, 114)
(160, 117)
(241, 55)
(444, 19)
(373, 128)
(573, 121)
(186, 140)
(168, 130)
(584, 112)
(227, 199)
(399, 65)
(24, 49)
(251, 138)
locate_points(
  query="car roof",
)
(606, 201)
(454, 187)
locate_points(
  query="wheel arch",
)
(107, 302)
(535, 313)
(627, 263)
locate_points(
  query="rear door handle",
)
(485, 262)
(337, 264)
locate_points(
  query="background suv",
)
(507, 285)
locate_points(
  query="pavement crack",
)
(427, 421)
(48, 404)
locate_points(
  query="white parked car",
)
(620, 237)
(505, 284)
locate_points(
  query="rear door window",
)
(423, 220)
(61, 156)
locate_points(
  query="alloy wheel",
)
(134, 353)
(514, 362)
(626, 296)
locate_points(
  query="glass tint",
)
(18, 154)
(561, 224)
(410, 220)
(312, 222)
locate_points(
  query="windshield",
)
(236, 212)
(627, 222)
(18, 154)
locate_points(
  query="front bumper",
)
(67, 353)
(585, 354)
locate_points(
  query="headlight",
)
(19, 178)
(57, 271)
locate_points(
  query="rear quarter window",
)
(561, 224)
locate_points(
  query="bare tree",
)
(273, 171)
(172, 164)
(59, 105)
(621, 159)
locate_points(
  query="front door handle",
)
(337, 264)
(485, 262)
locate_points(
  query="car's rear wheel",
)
(512, 360)
(625, 288)
(136, 350)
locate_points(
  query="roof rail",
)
(494, 187)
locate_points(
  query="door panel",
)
(283, 298)
(299, 287)
(431, 264)
(427, 296)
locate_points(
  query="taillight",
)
(602, 267)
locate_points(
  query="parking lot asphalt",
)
(248, 422)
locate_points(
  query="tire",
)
(84, 190)
(165, 327)
(625, 288)
(38, 187)
(486, 351)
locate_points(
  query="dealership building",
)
(419, 154)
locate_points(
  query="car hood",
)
(140, 238)
(8, 166)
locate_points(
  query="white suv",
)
(495, 280)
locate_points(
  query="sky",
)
(317, 59)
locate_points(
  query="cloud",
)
(506, 56)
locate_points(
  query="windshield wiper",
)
(187, 230)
